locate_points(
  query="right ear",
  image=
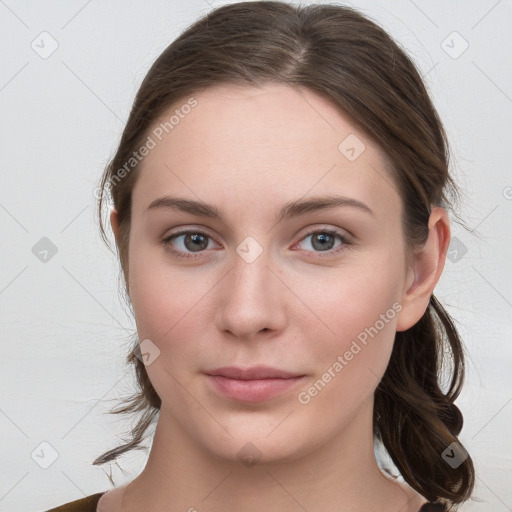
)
(114, 222)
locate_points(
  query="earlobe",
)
(114, 222)
(426, 270)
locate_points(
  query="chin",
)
(258, 443)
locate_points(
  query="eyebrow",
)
(289, 210)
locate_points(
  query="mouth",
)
(255, 384)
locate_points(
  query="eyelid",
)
(314, 228)
(187, 231)
(302, 233)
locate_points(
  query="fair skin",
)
(297, 307)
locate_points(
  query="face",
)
(315, 292)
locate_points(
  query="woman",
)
(280, 208)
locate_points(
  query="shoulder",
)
(417, 502)
(87, 504)
(432, 507)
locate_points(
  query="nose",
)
(252, 299)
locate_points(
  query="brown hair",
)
(342, 55)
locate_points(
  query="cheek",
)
(357, 310)
(169, 312)
(169, 307)
(350, 363)
(354, 296)
(160, 310)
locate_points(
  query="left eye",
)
(323, 240)
(197, 241)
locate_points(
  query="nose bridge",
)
(251, 299)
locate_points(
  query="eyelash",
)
(346, 243)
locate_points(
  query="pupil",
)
(321, 240)
(196, 238)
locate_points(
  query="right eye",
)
(194, 241)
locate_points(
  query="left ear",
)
(425, 270)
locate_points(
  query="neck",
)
(338, 476)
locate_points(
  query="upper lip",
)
(253, 373)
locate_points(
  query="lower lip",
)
(252, 390)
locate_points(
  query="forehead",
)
(269, 143)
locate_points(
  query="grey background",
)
(65, 330)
